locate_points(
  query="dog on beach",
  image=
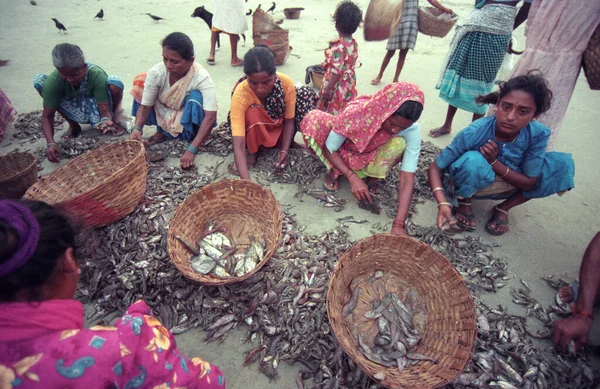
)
(204, 14)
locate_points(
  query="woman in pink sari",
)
(368, 139)
(43, 343)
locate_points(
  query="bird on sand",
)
(249, 12)
(32, 2)
(99, 15)
(272, 8)
(61, 27)
(155, 18)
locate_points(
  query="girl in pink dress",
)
(339, 82)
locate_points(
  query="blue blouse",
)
(525, 154)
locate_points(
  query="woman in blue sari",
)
(501, 157)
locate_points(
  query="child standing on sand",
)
(339, 81)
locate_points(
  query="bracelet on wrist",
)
(134, 128)
(398, 223)
(506, 172)
(51, 144)
(584, 313)
(444, 203)
(104, 119)
(492, 163)
(436, 189)
(192, 149)
(284, 151)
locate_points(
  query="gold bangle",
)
(507, 170)
(434, 189)
(444, 203)
(495, 160)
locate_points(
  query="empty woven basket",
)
(18, 171)
(99, 187)
(434, 22)
(242, 207)
(448, 329)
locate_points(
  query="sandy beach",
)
(547, 236)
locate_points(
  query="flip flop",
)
(375, 82)
(211, 62)
(436, 133)
(498, 222)
(462, 225)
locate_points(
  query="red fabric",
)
(261, 130)
(24, 321)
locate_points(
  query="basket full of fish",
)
(402, 312)
(225, 232)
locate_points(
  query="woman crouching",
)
(43, 343)
(501, 157)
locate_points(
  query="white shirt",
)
(410, 158)
(157, 82)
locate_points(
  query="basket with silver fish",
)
(402, 312)
(225, 232)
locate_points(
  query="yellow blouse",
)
(243, 98)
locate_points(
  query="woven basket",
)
(292, 13)
(382, 19)
(271, 38)
(448, 328)
(99, 187)
(434, 22)
(242, 207)
(591, 60)
(282, 53)
(263, 22)
(317, 79)
(18, 171)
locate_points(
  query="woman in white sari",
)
(177, 96)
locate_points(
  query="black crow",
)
(61, 27)
(32, 2)
(99, 15)
(249, 12)
(155, 18)
(272, 8)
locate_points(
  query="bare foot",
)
(376, 81)
(374, 184)
(237, 62)
(437, 132)
(73, 132)
(156, 139)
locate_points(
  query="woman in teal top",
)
(501, 157)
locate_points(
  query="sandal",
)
(211, 62)
(497, 222)
(465, 226)
(375, 81)
(331, 185)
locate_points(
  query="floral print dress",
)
(44, 345)
(340, 58)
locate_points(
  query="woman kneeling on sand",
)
(501, 157)
(367, 139)
(43, 341)
(266, 110)
(177, 96)
(82, 93)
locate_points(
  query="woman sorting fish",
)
(82, 93)
(177, 96)
(265, 112)
(43, 343)
(367, 139)
(501, 157)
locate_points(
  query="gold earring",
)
(533, 120)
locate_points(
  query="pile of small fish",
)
(396, 336)
(220, 141)
(74, 147)
(303, 168)
(28, 126)
(327, 200)
(217, 255)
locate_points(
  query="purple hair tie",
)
(21, 219)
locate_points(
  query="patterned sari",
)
(360, 123)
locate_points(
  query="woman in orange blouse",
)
(266, 110)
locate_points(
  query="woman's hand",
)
(53, 153)
(574, 328)
(398, 228)
(489, 151)
(187, 160)
(282, 161)
(444, 217)
(137, 135)
(359, 188)
(327, 94)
